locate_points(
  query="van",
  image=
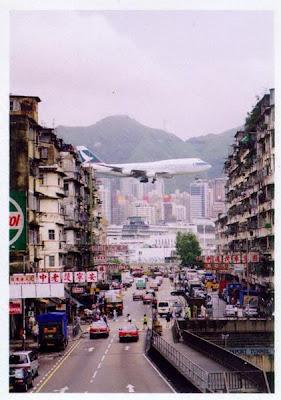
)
(163, 307)
(25, 359)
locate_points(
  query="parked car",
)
(25, 359)
(250, 311)
(148, 298)
(138, 295)
(128, 332)
(99, 328)
(230, 310)
(20, 379)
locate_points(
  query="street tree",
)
(188, 248)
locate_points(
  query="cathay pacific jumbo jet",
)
(144, 170)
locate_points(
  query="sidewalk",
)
(16, 344)
(194, 355)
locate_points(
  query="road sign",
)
(17, 221)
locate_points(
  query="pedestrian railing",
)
(227, 381)
(195, 374)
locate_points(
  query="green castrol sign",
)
(17, 221)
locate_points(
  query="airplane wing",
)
(138, 173)
(112, 168)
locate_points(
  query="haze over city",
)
(187, 72)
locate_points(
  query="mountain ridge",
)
(122, 139)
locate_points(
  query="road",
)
(104, 365)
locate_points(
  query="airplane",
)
(144, 170)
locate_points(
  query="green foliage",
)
(188, 248)
(252, 119)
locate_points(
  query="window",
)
(51, 234)
(44, 152)
(51, 261)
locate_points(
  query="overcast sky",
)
(188, 72)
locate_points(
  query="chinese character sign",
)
(55, 277)
(42, 277)
(67, 277)
(92, 276)
(79, 277)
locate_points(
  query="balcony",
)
(72, 248)
(72, 224)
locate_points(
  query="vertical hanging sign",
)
(17, 221)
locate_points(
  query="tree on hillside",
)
(188, 248)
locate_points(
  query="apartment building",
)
(248, 224)
(24, 174)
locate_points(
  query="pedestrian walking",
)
(168, 319)
(104, 318)
(203, 311)
(195, 311)
(129, 318)
(145, 321)
(174, 313)
(114, 315)
(35, 332)
(187, 312)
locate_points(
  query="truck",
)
(141, 283)
(113, 300)
(126, 278)
(53, 330)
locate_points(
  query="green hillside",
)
(122, 139)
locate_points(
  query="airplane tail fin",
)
(87, 155)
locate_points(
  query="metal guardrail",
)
(245, 369)
(228, 381)
(195, 374)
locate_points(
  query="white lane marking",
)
(99, 365)
(131, 388)
(109, 346)
(103, 357)
(91, 381)
(106, 351)
(95, 373)
(127, 347)
(62, 390)
(91, 349)
(158, 372)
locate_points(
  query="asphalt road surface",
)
(104, 365)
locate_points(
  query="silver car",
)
(25, 359)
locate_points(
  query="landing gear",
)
(154, 180)
(144, 179)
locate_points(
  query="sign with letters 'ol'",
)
(17, 221)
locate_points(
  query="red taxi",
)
(138, 295)
(148, 298)
(128, 332)
(99, 328)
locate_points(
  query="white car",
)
(250, 311)
(163, 307)
(25, 359)
(230, 311)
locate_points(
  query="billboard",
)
(17, 221)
